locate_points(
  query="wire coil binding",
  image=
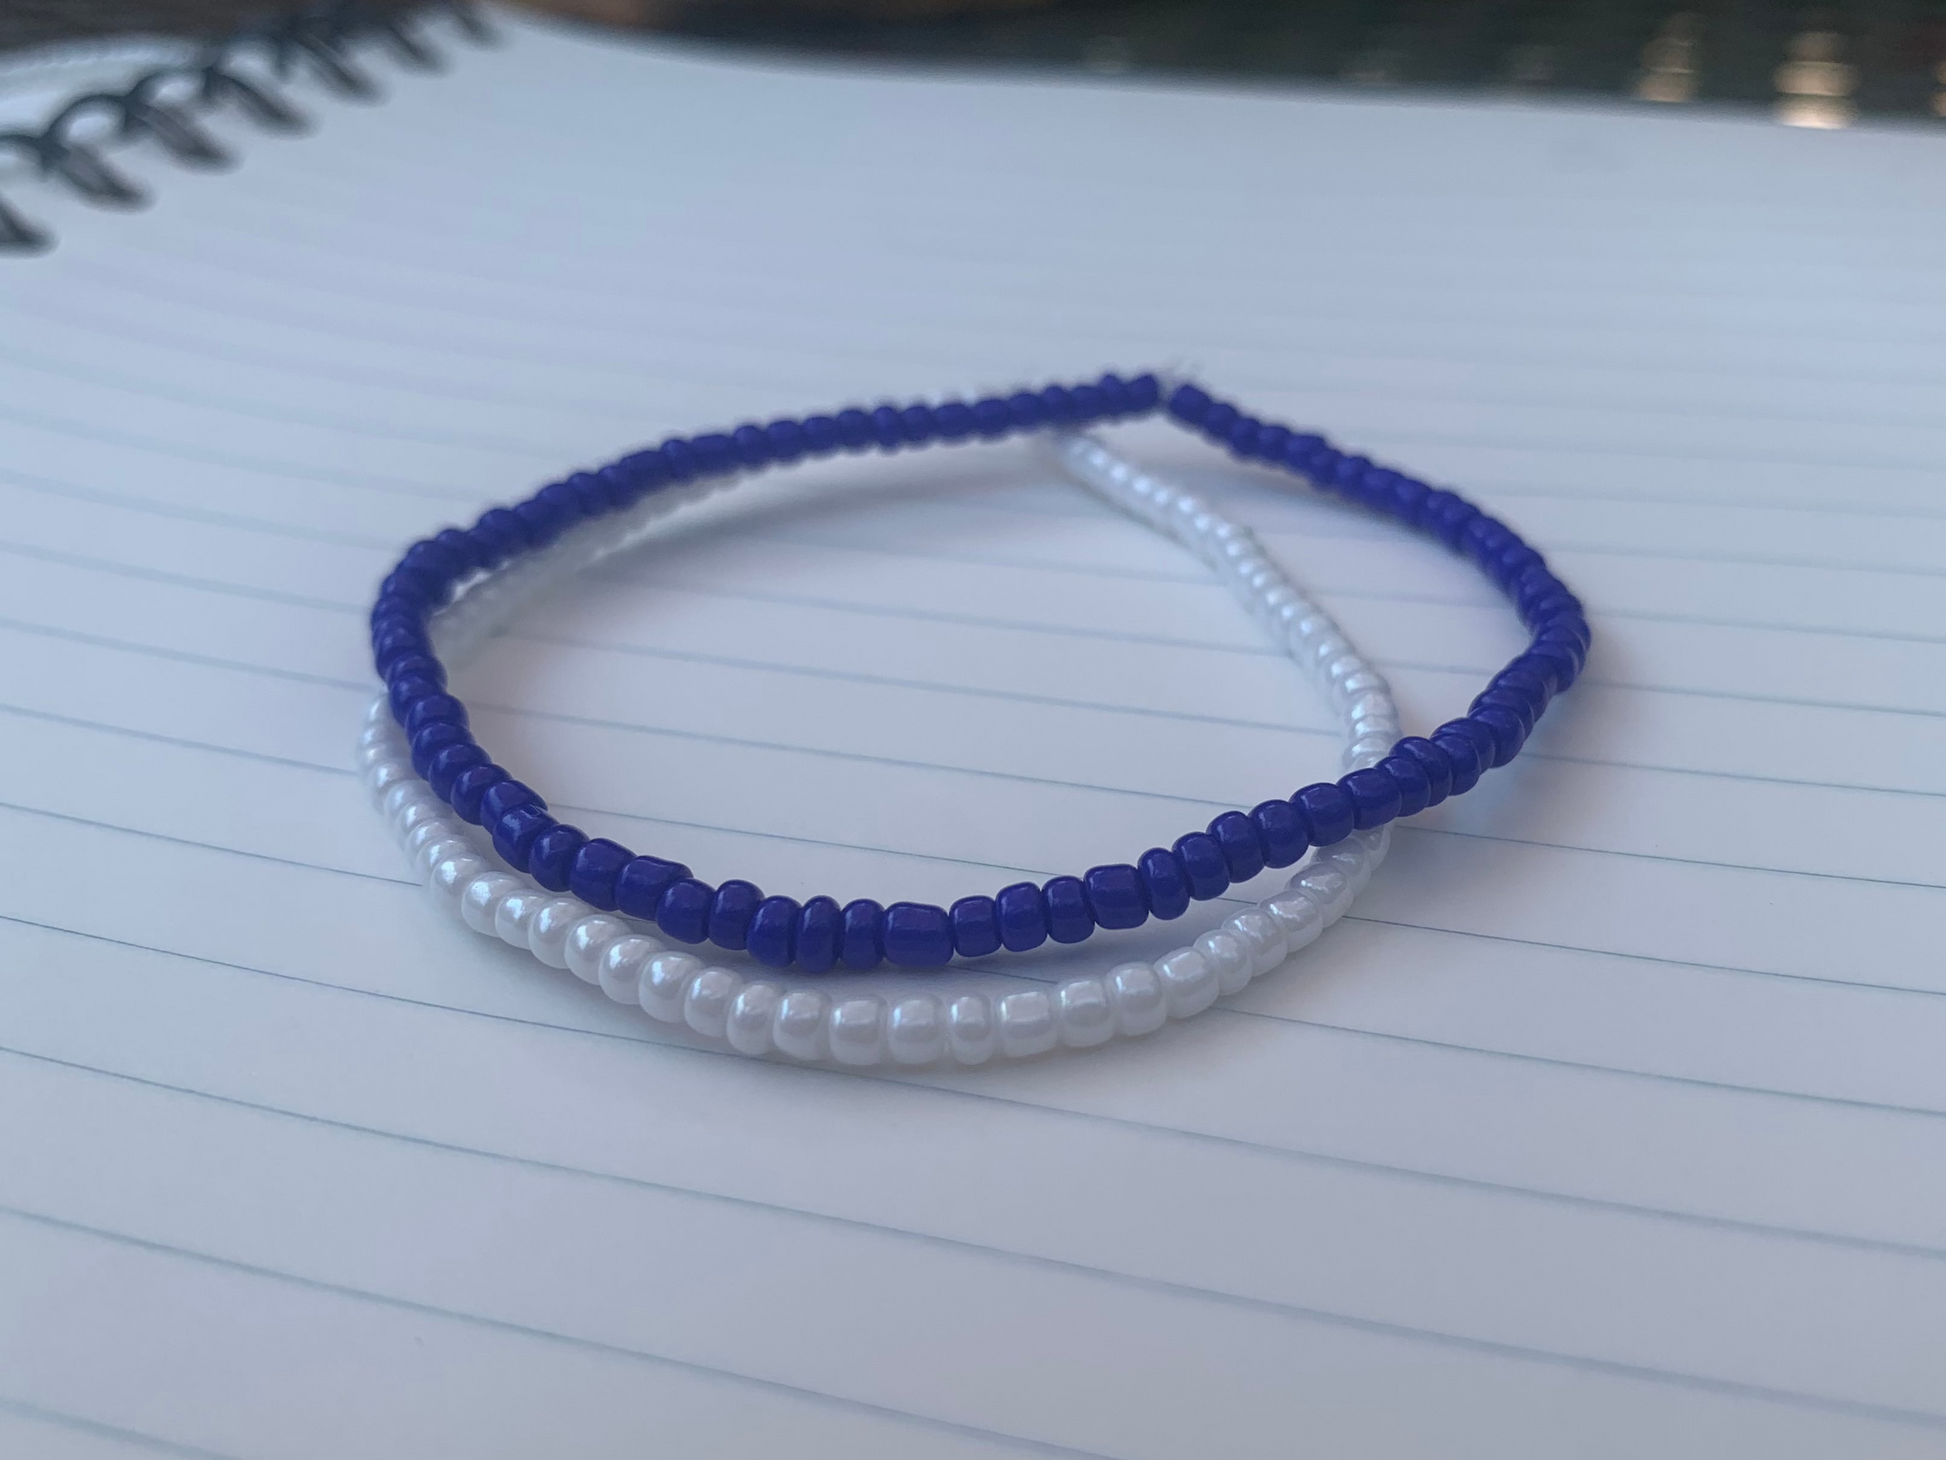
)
(161, 104)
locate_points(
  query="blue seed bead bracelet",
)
(821, 933)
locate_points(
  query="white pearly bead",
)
(516, 911)
(396, 798)
(1228, 958)
(387, 776)
(1298, 915)
(972, 1033)
(1259, 932)
(1376, 840)
(1329, 887)
(1026, 1022)
(1325, 649)
(1188, 982)
(1352, 860)
(798, 1029)
(1367, 751)
(915, 1030)
(481, 899)
(856, 1030)
(1337, 671)
(1083, 1014)
(587, 940)
(1365, 682)
(748, 1025)
(450, 877)
(547, 933)
(622, 962)
(369, 758)
(1312, 627)
(665, 983)
(434, 852)
(1136, 993)
(378, 712)
(706, 1001)
(415, 814)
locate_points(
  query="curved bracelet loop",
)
(820, 933)
(763, 1016)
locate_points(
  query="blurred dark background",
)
(1817, 65)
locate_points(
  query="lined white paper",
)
(1612, 1122)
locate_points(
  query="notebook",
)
(1611, 1123)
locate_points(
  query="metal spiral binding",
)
(321, 37)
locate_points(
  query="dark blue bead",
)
(1203, 864)
(1506, 729)
(1270, 443)
(887, 430)
(683, 912)
(1544, 668)
(992, 417)
(953, 420)
(1415, 789)
(515, 832)
(1526, 682)
(502, 798)
(818, 927)
(1165, 885)
(497, 535)
(597, 867)
(1510, 701)
(434, 738)
(1189, 405)
(412, 585)
(445, 767)
(714, 453)
(1408, 496)
(1510, 562)
(1139, 397)
(390, 608)
(640, 884)
(751, 444)
(550, 859)
(1301, 450)
(1027, 410)
(431, 709)
(1113, 391)
(593, 495)
(861, 927)
(397, 642)
(822, 436)
(1242, 436)
(1218, 420)
(918, 426)
(1551, 659)
(544, 521)
(917, 935)
(564, 502)
(730, 911)
(679, 460)
(1058, 402)
(1436, 764)
(1349, 476)
(1446, 517)
(469, 786)
(1375, 797)
(1550, 606)
(854, 429)
(406, 689)
(787, 440)
(772, 939)
(636, 475)
(1068, 918)
(459, 545)
(1463, 755)
(1483, 739)
(1115, 896)
(1327, 811)
(1282, 830)
(1086, 403)
(976, 927)
(434, 560)
(1022, 912)
(1242, 845)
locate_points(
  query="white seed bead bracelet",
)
(793, 1015)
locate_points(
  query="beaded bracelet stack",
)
(762, 1016)
(1401, 778)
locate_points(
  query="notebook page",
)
(1611, 1122)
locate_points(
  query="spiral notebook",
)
(1613, 1121)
